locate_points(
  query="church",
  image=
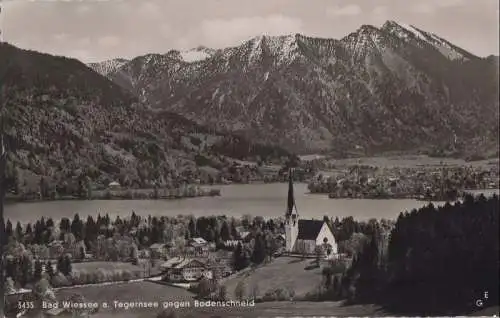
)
(302, 236)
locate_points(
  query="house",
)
(220, 268)
(243, 233)
(245, 236)
(198, 240)
(171, 263)
(231, 243)
(281, 239)
(56, 249)
(186, 270)
(303, 236)
(199, 247)
(77, 250)
(159, 250)
(53, 265)
(144, 253)
(114, 185)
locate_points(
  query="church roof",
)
(309, 229)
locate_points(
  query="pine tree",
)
(204, 288)
(240, 259)
(259, 250)
(224, 232)
(37, 274)
(234, 232)
(222, 292)
(67, 265)
(49, 269)
(77, 227)
(9, 231)
(26, 273)
(192, 228)
(19, 231)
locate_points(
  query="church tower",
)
(291, 217)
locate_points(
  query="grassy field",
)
(147, 291)
(284, 272)
(143, 268)
(271, 309)
(93, 266)
(127, 292)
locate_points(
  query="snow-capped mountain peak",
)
(378, 87)
(283, 47)
(404, 31)
(363, 40)
(108, 66)
(408, 33)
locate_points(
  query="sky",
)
(96, 30)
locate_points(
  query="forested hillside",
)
(66, 124)
(439, 261)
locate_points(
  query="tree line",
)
(436, 261)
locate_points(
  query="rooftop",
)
(309, 229)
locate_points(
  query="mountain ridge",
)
(388, 24)
(388, 88)
(63, 121)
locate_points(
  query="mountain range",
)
(181, 115)
(393, 88)
(62, 121)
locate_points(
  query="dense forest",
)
(439, 261)
(64, 122)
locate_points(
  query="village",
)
(423, 183)
(203, 255)
(212, 257)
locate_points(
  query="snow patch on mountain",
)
(414, 31)
(256, 49)
(282, 48)
(326, 88)
(447, 50)
(408, 33)
(364, 40)
(109, 66)
(285, 45)
(194, 56)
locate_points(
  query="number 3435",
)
(26, 305)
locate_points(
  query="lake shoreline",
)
(266, 200)
(121, 195)
(12, 199)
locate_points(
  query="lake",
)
(268, 200)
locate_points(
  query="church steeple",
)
(291, 198)
(291, 216)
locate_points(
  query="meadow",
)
(127, 292)
(108, 266)
(271, 309)
(282, 272)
